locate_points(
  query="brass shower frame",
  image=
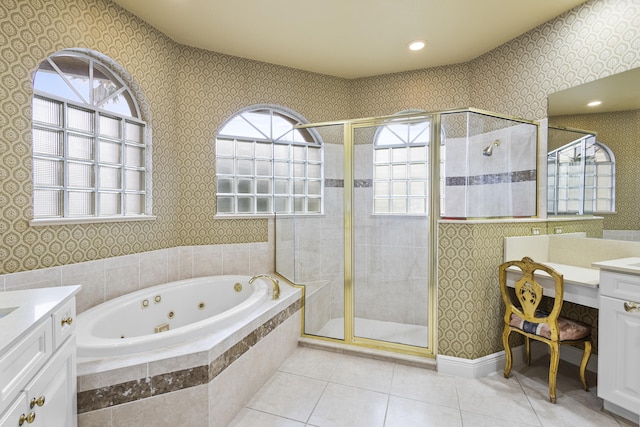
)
(434, 217)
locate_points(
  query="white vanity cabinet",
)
(38, 358)
(619, 337)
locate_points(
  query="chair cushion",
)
(569, 329)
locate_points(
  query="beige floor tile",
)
(424, 385)
(575, 407)
(312, 363)
(345, 406)
(251, 418)
(406, 412)
(470, 419)
(537, 376)
(370, 374)
(324, 389)
(625, 422)
(289, 396)
(493, 395)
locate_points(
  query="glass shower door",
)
(391, 231)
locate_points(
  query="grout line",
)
(513, 375)
(317, 402)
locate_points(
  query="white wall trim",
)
(477, 368)
(622, 412)
(483, 366)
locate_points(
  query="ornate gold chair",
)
(524, 316)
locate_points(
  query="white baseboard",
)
(624, 413)
(483, 366)
(476, 368)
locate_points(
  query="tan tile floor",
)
(320, 388)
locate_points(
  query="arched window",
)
(265, 166)
(401, 166)
(581, 178)
(91, 158)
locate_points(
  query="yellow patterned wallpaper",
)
(620, 132)
(190, 92)
(212, 87)
(32, 30)
(470, 307)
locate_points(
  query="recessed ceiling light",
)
(594, 103)
(417, 44)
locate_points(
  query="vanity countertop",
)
(19, 310)
(623, 265)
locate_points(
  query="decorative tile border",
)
(130, 391)
(334, 183)
(357, 183)
(496, 178)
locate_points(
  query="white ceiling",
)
(347, 38)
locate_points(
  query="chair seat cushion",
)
(569, 330)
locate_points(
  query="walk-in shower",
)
(369, 262)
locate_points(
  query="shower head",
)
(489, 148)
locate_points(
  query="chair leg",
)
(583, 364)
(507, 351)
(527, 351)
(553, 370)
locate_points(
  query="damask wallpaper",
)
(190, 92)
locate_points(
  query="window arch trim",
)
(141, 114)
(295, 181)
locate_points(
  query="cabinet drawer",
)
(64, 322)
(620, 285)
(21, 363)
(52, 393)
(11, 418)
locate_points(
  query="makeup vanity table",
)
(613, 287)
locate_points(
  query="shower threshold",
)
(401, 333)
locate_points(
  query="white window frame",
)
(265, 169)
(129, 183)
(401, 169)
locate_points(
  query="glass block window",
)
(265, 166)
(581, 178)
(401, 167)
(89, 147)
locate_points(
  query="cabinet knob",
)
(67, 321)
(29, 418)
(39, 401)
(631, 306)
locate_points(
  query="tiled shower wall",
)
(390, 253)
(500, 185)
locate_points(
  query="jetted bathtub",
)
(167, 314)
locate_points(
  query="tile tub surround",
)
(109, 278)
(162, 376)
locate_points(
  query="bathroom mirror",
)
(616, 121)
